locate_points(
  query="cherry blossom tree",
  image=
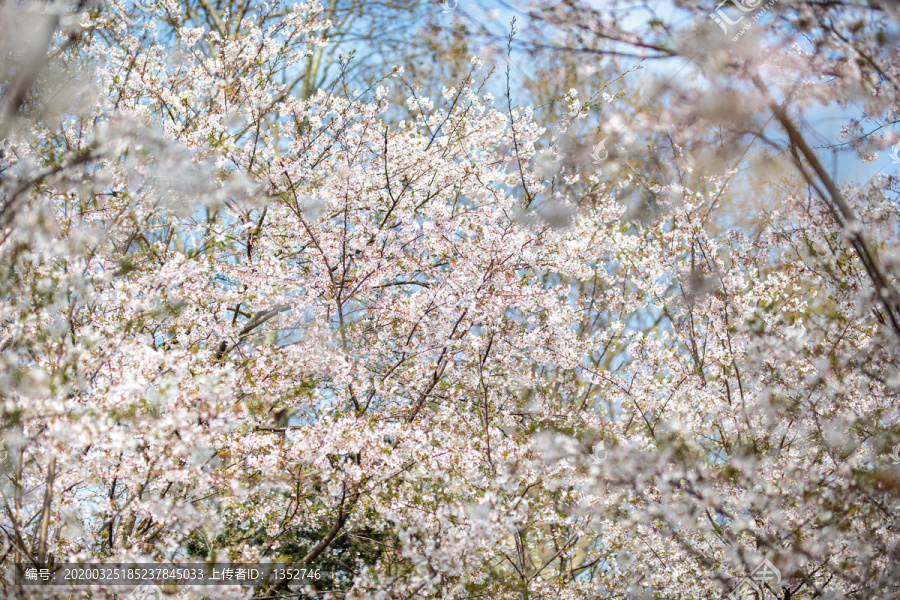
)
(757, 418)
(247, 317)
